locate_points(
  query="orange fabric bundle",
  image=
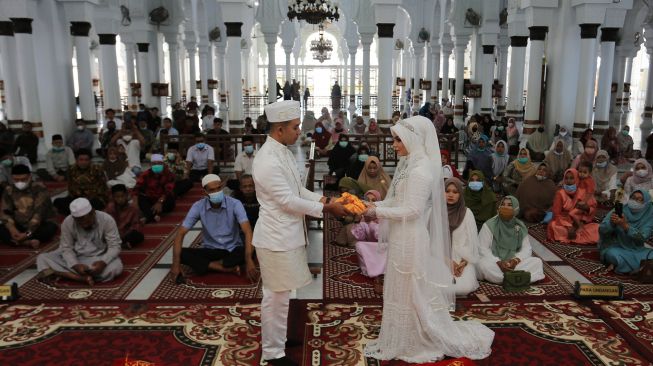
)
(352, 203)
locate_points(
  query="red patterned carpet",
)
(14, 260)
(585, 260)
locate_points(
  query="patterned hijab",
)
(527, 169)
(507, 236)
(457, 210)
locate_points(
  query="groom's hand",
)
(336, 209)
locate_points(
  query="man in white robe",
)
(280, 234)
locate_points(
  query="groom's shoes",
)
(283, 361)
(292, 343)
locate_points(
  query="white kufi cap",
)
(80, 207)
(156, 158)
(282, 111)
(210, 178)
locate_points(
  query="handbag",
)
(516, 281)
(645, 273)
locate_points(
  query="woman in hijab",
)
(537, 143)
(359, 126)
(425, 111)
(625, 144)
(113, 166)
(373, 128)
(605, 177)
(464, 238)
(322, 137)
(449, 127)
(308, 125)
(572, 217)
(558, 159)
(500, 161)
(479, 198)
(373, 177)
(513, 135)
(642, 178)
(518, 170)
(480, 159)
(358, 161)
(340, 157)
(337, 130)
(504, 246)
(588, 155)
(439, 120)
(622, 238)
(535, 195)
(610, 143)
(448, 169)
(566, 137)
(586, 136)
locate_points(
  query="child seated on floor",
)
(126, 216)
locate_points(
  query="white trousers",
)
(274, 323)
(490, 271)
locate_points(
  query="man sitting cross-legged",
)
(222, 248)
(127, 217)
(89, 249)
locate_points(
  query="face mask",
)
(127, 138)
(216, 197)
(113, 160)
(481, 148)
(541, 129)
(21, 185)
(540, 177)
(58, 149)
(7, 162)
(624, 132)
(506, 213)
(500, 128)
(157, 169)
(635, 206)
(476, 186)
(81, 128)
(201, 145)
(249, 150)
(642, 173)
(171, 156)
(318, 129)
(362, 157)
(590, 150)
(522, 160)
(343, 143)
(563, 133)
(569, 188)
(602, 164)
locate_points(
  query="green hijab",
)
(482, 203)
(507, 236)
(351, 184)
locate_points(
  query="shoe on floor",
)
(283, 361)
(292, 343)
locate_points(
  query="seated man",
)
(27, 214)
(245, 159)
(132, 142)
(57, 161)
(89, 249)
(246, 194)
(82, 138)
(84, 180)
(106, 134)
(154, 190)
(26, 143)
(200, 158)
(148, 137)
(127, 217)
(7, 160)
(222, 248)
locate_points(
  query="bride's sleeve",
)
(417, 195)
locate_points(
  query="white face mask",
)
(127, 138)
(21, 185)
(642, 173)
(81, 128)
(563, 133)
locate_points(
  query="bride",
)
(418, 291)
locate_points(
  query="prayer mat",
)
(14, 260)
(137, 262)
(585, 259)
(544, 333)
(632, 319)
(211, 286)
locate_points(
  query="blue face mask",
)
(570, 188)
(522, 160)
(500, 128)
(318, 129)
(201, 145)
(343, 143)
(216, 197)
(480, 148)
(363, 157)
(58, 149)
(602, 164)
(249, 149)
(476, 186)
(7, 162)
(157, 169)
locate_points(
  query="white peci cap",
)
(210, 178)
(80, 207)
(283, 111)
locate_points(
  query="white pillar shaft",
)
(628, 77)
(192, 76)
(435, 73)
(29, 90)
(487, 79)
(384, 90)
(222, 83)
(245, 62)
(586, 77)
(84, 78)
(175, 78)
(602, 112)
(516, 83)
(234, 84)
(618, 78)
(366, 80)
(503, 79)
(204, 72)
(144, 78)
(647, 122)
(272, 72)
(13, 110)
(352, 79)
(419, 68)
(288, 65)
(445, 74)
(131, 73)
(460, 78)
(534, 88)
(110, 77)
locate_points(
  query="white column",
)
(130, 60)
(446, 53)
(647, 116)
(13, 112)
(515, 105)
(435, 72)
(487, 78)
(144, 74)
(109, 72)
(244, 61)
(29, 90)
(602, 112)
(296, 75)
(366, 41)
(222, 82)
(534, 88)
(192, 75)
(629, 72)
(384, 93)
(586, 78)
(234, 86)
(503, 75)
(204, 71)
(419, 73)
(460, 44)
(175, 77)
(618, 79)
(183, 73)
(288, 52)
(271, 41)
(352, 80)
(79, 31)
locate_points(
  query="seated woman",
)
(340, 157)
(500, 161)
(448, 170)
(642, 178)
(480, 158)
(605, 177)
(373, 177)
(588, 155)
(535, 195)
(357, 161)
(513, 136)
(321, 137)
(626, 144)
(572, 216)
(518, 170)
(479, 198)
(464, 238)
(504, 246)
(558, 159)
(622, 238)
(610, 143)
(537, 143)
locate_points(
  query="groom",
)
(280, 234)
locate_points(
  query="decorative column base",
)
(530, 126)
(15, 125)
(600, 127)
(501, 111)
(205, 99)
(579, 128)
(92, 126)
(366, 112)
(518, 116)
(647, 119)
(236, 127)
(486, 111)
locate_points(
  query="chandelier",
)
(321, 47)
(312, 11)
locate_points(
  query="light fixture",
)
(313, 11)
(321, 47)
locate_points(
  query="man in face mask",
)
(154, 190)
(132, 140)
(222, 249)
(84, 180)
(200, 158)
(82, 138)
(245, 159)
(7, 160)
(57, 161)
(27, 213)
